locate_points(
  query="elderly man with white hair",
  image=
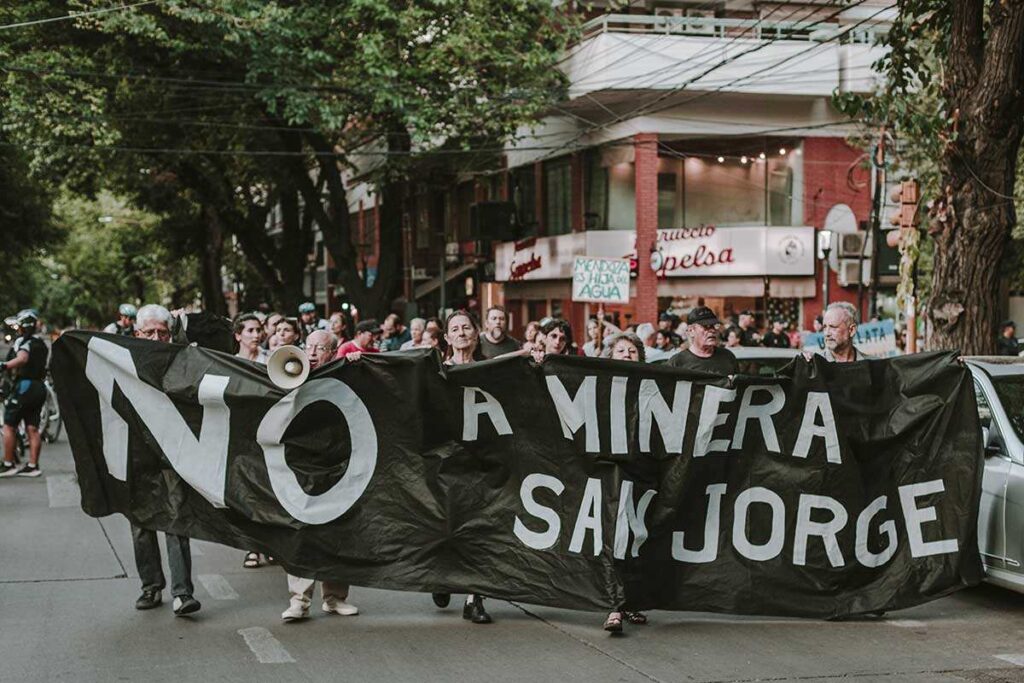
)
(321, 346)
(840, 329)
(416, 329)
(154, 322)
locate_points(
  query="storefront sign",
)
(703, 251)
(600, 280)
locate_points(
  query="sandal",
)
(252, 560)
(613, 624)
(638, 618)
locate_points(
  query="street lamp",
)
(824, 249)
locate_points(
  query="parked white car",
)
(999, 388)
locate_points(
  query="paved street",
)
(68, 584)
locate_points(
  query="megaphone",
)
(288, 366)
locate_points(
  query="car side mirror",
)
(991, 441)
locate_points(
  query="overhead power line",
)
(78, 15)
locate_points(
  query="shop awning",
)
(449, 275)
(780, 287)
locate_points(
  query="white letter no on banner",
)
(337, 500)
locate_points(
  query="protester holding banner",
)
(361, 342)
(320, 348)
(154, 322)
(627, 347)
(462, 334)
(248, 331)
(840, 328)
(495, 341)
(703, 353)
(557, 336)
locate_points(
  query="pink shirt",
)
(350, 346)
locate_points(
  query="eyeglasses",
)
(320, 348)
(155, 334)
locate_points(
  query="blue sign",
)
(875, 339)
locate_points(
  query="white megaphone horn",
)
(288, 366)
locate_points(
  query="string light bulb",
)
(743, 159)
(782, 151)
(761, 156)
(721, 160)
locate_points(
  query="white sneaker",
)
(8, 470)
(295, 613)
(340, 607)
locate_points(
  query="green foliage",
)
(103, 263)
(236, 104)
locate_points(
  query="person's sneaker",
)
(149, 600)
(29, 471)
(340, 607)
(185, 604)
(295, 612)
(8, 469)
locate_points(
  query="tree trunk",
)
(211, 282)
(979, 167)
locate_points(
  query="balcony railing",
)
(753, 29)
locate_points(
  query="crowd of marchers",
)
(460, 339)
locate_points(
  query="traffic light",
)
(908, 196)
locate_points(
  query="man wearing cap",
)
(748, 333)
(776, 338)
(125, 324)
(27, 358)
(309, 320)
(703, 353)
(362, 342)
(1007, 344)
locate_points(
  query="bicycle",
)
(50, 422)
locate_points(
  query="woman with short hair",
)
(557, 339)
(289, 331)
(627, 347)
(462, 333)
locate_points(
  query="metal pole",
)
(824, 278)
(444, 259)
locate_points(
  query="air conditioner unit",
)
(705, 28)
(669, 12)
(850, 269)
(851, 243)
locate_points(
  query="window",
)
(524, 194)
(595, 192)
(984, 409)
(666, 200)
(557, 196)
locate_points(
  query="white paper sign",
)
(600, 280)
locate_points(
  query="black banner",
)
(831, 490)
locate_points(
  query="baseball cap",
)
(1007, 323)
(702, 315)
(307, 307)
(368, 326)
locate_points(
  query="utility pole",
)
(876, 220)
